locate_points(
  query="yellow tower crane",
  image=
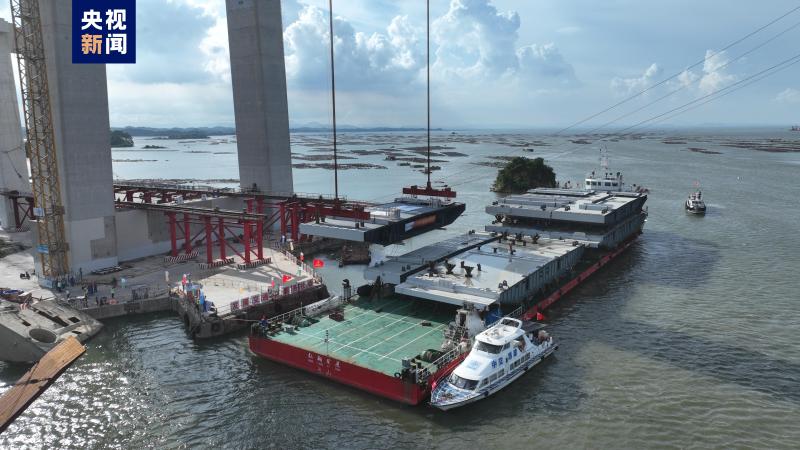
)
(40, 145)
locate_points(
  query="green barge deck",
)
(375, 334)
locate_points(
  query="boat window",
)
(463, 383)
(608, 184)
(483, 383)
(505, 347)
(488, 348)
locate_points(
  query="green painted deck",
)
(376, 334)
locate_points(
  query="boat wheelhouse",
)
(606, 180)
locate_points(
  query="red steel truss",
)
(249, 226)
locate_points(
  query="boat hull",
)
(490, 390)
(391, 387)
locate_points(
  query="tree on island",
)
(121, 139)
(522, 174)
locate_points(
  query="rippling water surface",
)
(689, 339)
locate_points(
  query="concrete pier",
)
(203, 327)
(147, 306)
(79, 101)
(258, 73)
(13, 166)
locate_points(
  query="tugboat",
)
(695, 204)
(500, 355)
(796, 128)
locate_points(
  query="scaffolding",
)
(40, 146)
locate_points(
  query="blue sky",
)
(496, 64)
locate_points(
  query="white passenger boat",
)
(500, 355)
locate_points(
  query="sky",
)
(494, 63)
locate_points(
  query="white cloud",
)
(363, 61)
(633, 85)
(215, 48)
(687, 78)
(712, 77)
(788, 95)
(545, 61)
(476, 40)
(715, 74)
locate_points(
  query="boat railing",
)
(423, 374)
(308, 310)
(517, 313)
(455, 333)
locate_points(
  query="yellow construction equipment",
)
(40, 145)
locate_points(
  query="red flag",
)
(286, 278)
(319, 263)
(273, 282)
(539, 316)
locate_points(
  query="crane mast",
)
(40, 146)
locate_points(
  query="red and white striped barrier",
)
(180, 258)
(270, 295)
(217, 263)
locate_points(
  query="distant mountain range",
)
(196, 132)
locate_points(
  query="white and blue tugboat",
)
(500, 355)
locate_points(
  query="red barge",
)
(414, 324)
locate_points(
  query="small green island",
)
(120, 138)
(522, 174)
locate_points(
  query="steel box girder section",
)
(429, 191)
(242, 194)
(194, 210)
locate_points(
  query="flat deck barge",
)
(389, 347)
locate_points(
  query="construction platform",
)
(375, 334)
(388, 223)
